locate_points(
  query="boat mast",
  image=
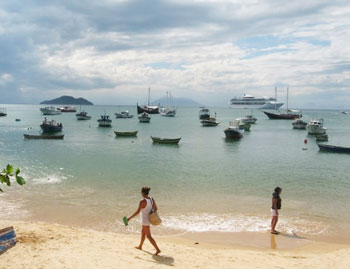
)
(149, 95)
(275, 97)
(287, 97)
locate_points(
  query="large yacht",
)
(249, 101)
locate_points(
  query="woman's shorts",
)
(273, 212)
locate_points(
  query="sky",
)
(111, 51)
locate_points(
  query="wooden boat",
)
(233, 132)
(104, 121)
(123, 115)
(27, 136)
(160, 140)
(124, 134)
(3, 112)
(322, 137)
(299, 124)
(331, 148)
(51, 126)
(144, 117)
(210, 122)
(7, 239)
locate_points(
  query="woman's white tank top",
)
(145, 212)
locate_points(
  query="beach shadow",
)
(161, 259)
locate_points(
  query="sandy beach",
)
(46, 245)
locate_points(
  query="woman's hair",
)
(278, 190)
(145, 190)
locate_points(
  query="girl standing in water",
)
(145, 207)
(276, 205)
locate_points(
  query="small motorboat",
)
(67, 109)
(27, 136)
(241, 124)
(3, 112)
(160, 140)
(51, 126)
(249, 119)
(17, 119)
(299, 124)
(233, 132)
(168, 112)
(144, 117)
(123, 115)
(50, 110)
(210, 122)
(104, 121)
(204, 113)
(331, 148)
(82, 115)
(321, 137)
(125, 134)
(316, 127)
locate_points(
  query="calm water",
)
(92, 179)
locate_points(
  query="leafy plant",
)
(7, 174)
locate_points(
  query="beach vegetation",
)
(8, 174)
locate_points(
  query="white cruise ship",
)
(249, 101)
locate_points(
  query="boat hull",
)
(330, 148)
(48, 111)
(159, 140)
(209, 123)
(27, 136)
(126, 134)
(282, 116)
(233, 133)
(104, 123)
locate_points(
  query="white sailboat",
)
(168, 111)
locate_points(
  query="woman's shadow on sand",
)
(162, 259)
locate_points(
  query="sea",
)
(92, 178)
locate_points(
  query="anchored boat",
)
(160, 140)
(124, 134)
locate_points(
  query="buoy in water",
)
(305, 141)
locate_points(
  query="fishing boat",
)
(104, 121)
(204, 113)
(123, 115)
(27, 136)
(128, 133)
(82, 115)
(299, 124)
(67, 109)
(233, 132)
(145, 117)
(249, 119)
(321, 137)
(210, 122)
(50, 110)
(2, 112)
(148, 108)
(316, 127)
(331, 148)
(168, 111)
(160, 140)
(51, 126)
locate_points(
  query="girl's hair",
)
(145, 190)
(278, 190)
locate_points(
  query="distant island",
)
(67, 100)
(176, 101)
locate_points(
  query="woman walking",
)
(276, 205)
(145, 207)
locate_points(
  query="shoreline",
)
(47, 245)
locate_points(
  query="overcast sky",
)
(111, 51)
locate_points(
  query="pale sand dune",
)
(43, 245)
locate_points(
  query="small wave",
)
(12, 210)
(240, 223)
